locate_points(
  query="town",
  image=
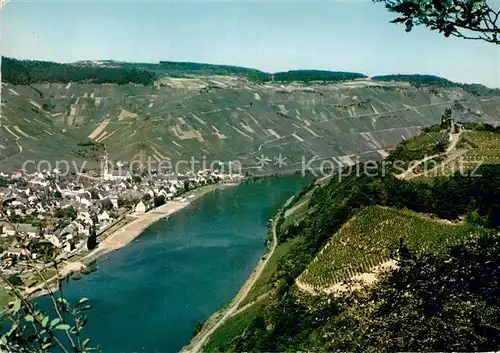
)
(46, 214)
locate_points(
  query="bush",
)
(159, 200)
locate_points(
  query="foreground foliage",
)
(467, 19)
(25, 328)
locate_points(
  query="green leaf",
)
(54, 322)
(47, 345)
(64, 327)
(29, 318)
(17, 305)
(3, 340)
(45, 321)
(62, 301)
(85, 343)
(83, 301)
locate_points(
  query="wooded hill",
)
(26, 72)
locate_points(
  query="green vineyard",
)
(367, 239)
(475, 148)
(484, 147)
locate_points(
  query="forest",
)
(316, 75)
(432, 80)
(26, 72)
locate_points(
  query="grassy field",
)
(232, 328)
(366, 240)
(263, 284)
(6, 298)
(418, 147)
(296, 213)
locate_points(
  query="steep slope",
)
(229, 118)
(367, 239)
(29, 134)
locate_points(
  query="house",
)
(140, 207)
(114, 201)
(103, 217)
(117, 175)
(6, 229)
(53, 239)
(28, 229)
(16, 253)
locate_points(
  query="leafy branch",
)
(31, 330)
(467, 19)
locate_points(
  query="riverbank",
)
(121, 237)
(220, 317)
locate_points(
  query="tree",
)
(57, 195)
(66, 212)
(197, 327)
(159, 200)
(446, 119)
(15, 280)
(106, 204)
(468, 19)
(92, 239)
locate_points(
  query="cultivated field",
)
(366, 241)
(226, 119)
(475, 148)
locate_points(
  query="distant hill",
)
(22, 72)
(316, 75)
(432, 80)
(180, 69)
(26, 72)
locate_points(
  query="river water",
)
(148, 296)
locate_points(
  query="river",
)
(148, 296)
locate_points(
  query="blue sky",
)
(271, 36)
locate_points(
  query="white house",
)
(140, 207)
(53, 239)
(114, 201)
(104, 216)
(116, 175)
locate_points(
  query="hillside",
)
(29, 133)
(230, 118)
(367, 240)
(440, 236)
